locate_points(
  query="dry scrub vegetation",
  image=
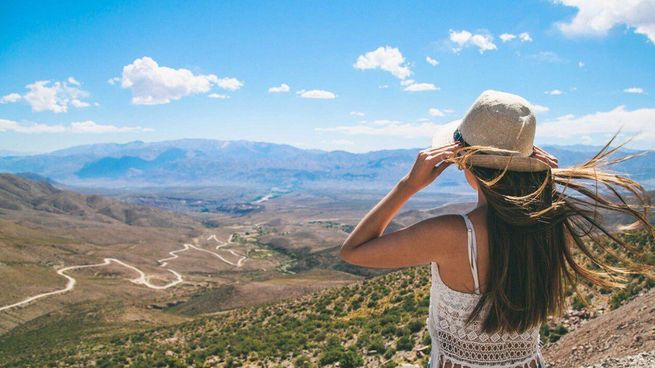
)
(378, 322)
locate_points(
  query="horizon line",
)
(16, 153)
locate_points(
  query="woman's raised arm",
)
(366, 246)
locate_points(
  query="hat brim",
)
(511, 163)
(444, 137)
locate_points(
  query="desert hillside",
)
(379, 322)
(76, 265)
(25, 196)
(626, 331)
(199, 298)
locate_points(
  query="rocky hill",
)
(626, 331)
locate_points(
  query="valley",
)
(376, 322)
(91, 262)
(62, 251)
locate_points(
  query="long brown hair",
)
(539, 222)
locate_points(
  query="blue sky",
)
(357, 74)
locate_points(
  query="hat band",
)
(458, 137)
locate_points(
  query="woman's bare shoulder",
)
(445, 234)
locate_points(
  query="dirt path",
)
(229, 241)
(143, 278)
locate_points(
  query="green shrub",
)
(416, 325)
(350, 359)
(405, 343)
(302, 362)
(376, 343)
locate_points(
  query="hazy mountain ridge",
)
(20, 194)
(212, 162)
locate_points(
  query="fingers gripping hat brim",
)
(444, 137)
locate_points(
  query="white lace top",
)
(457, 346)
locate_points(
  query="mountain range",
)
(204, 162)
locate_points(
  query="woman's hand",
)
(429, 164)
(545, 157)
(368, 246)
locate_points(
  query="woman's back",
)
(533, 217)
(456, 345)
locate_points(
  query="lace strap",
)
(473, 252)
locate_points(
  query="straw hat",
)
(500, 120)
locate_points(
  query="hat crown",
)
(501, 120)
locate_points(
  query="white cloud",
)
(484, 42)
(540, 108)
(597, 17)
(282, 88)
(546, 56)
(554, 92)
(44, 95)
(79, 104)
(73, 81)
(433, 111)
(357, 113)
(636, 90)
(431, 61)
(395, 131)
(113, 81)
(317, 94)
(507, 37)
(341, 142)
(580, 64)
(525, 37)
(386, 58)
(420, 87)
(89, 126)
(601, 125)
(384, 86)
(218, 96)
(75, 127)
(10, 98)
(12, 126)
(391, 128)
(230, 84)
(152, 84)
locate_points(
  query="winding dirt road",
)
(143, 278)
(222, 244)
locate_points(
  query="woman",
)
(499, 271)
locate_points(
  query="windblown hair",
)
(535, 221)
